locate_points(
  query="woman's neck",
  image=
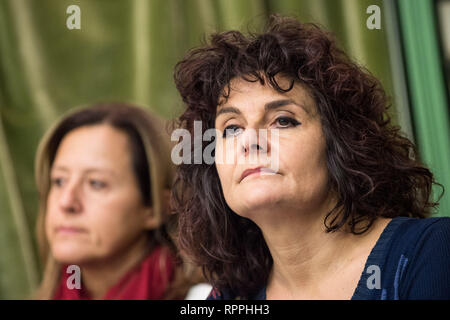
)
(305, 256)
(99, 277)
(303, 253)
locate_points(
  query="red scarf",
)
(146, 281)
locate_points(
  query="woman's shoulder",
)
(410, 237)
(162, 261)
(410, 261)
(415, 260)
(413, 230)
(428, 239)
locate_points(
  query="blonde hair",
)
(155, 141)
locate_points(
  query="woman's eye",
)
(286, 122)
(231, 130)
(57, 182)
(96, 184)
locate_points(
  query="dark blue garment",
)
(411, 260)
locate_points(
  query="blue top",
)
(411, 260)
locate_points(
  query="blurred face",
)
(301, 180)
(94, 207)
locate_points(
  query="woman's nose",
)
(254, 142)
(70, 201)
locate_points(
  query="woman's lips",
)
(258, 171)
(70, 230)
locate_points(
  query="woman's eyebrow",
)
(100, 170)
(228, 110)
(59, 168)
(87, 170)
(280, 103)
(267, 107)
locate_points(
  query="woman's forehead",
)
(242, 89)
(99, 145)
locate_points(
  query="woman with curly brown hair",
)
(340, 216)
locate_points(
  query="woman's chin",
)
(257, 197)
(69, 254)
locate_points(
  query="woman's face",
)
(94, 206)
(301, 180)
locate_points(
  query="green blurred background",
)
(126, 50)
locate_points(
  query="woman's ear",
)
(154, 221)
(151, 220)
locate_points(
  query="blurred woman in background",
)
(104, 174)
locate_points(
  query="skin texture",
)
(95, 216)
(302, 178)
(289, 206)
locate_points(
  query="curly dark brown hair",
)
(372, 167)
